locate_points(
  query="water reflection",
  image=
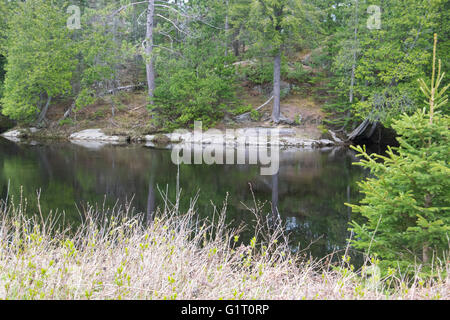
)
(308, 193)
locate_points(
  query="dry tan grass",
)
(176, 256)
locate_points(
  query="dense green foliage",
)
(374, 71)
(186, 95)
(278, 25)
(407, 201)
(359, 71)
(197, 84)
(40, 59)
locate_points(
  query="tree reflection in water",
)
(308, 193)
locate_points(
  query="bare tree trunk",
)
(135, 38)
(276, 87)
(149, 64)
(226, 30)
(354, 46)
(44, 111)
(277, 70)
(114, 79)
(352, 80)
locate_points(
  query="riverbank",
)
(253, 136)
(175, 257)
(257, 136)
(131, 123)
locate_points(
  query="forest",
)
(358, 60)
(359, 74)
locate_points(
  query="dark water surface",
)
(309, 190)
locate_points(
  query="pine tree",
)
(377, 69)
(407, 199)
(277, 25)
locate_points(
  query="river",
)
(309, 191)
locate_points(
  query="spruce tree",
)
(407, 198)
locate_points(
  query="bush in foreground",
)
(112, 255)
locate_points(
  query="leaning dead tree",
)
(366, 129)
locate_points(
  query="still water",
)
(309, 191)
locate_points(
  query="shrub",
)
(242, 109)
(184, 96)
(255, 115)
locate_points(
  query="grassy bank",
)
(115, 256)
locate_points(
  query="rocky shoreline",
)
(283, 137)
